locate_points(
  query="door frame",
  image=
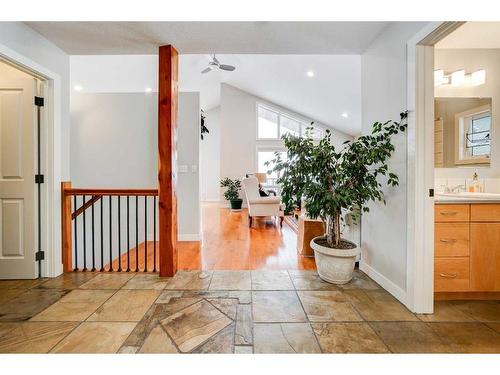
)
(420, 165)
(51, 154)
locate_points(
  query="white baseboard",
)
(211, 200)
(385, 283)
(189, 237)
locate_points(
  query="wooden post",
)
(66, 236)
(167, 124)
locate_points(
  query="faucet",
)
(456, 189)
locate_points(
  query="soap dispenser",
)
(475, 187)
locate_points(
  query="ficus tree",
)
(330, 179)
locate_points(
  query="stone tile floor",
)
(232, 312)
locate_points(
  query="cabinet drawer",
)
(451, 274)
(485, 212)
(451, 212)
(451, 240)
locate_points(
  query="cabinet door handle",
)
(448, 213)
(448, 240)
(448, 275)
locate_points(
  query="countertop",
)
(466, 198)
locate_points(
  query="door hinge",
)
(39, 179)
(38, 101)
(431, 192)
(40, 255)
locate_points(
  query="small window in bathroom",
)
(473, 136)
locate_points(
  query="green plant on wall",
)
(232, 188)
(329, 180)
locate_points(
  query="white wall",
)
(238, 132)
(384, 89)
(114, 140)
(210, 157)
(471, 60)
(188, 185)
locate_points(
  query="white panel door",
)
(17, 178)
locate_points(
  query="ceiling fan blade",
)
(215, 60)
(229, 68)
(206, 70)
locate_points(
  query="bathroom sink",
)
(467, 195)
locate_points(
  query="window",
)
(289, 126)
(268, 124)
(264, 156)
(473, 140)
(272, 124)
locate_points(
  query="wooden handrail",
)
(107, 192)
(86, 205)
(67, 191)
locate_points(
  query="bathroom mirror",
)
(462, 132)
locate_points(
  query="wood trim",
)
(66, 234)
(131, 192)
(167, 126)
(450, 296)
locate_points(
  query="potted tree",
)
(232, 192)
(330, 181)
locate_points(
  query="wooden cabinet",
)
(485, 257)
(467, 248)
(451, 239)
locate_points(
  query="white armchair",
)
(261, 206)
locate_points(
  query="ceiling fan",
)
(214, 63)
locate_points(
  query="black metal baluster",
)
(128, 234)
(136, 233)
(76, 234)
(102, 238)
(145, 233)
(93, 231)
(110, 235)
(84, 236)
(119, 236)
(154, 233)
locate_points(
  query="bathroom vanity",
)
(467, 244)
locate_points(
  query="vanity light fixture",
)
(458, 78)
(478, 77)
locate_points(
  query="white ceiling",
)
(281, 79)
(113, 38)
(473, 35)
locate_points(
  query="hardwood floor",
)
(229, 244)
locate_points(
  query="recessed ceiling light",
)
(310, 73)
(345, 115)
(148, 89)
(78, 88)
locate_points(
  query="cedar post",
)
(167, 124)
(66, 236)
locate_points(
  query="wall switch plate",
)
(194, 168)
(183, 168)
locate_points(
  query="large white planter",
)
(334, 265)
